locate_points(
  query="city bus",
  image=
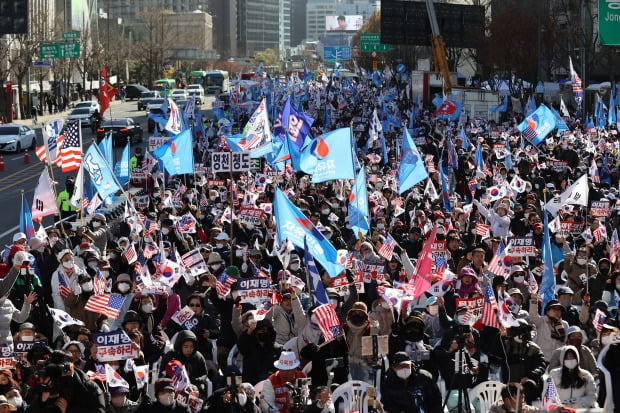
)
(198, 77)
(164, 86)
(216, 81)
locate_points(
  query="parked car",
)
(122, 129)
(154, 104)
(145, 98)
(178, 94)
(15, 137)
(198, 96)
(90, 104)
(134, 91)
(81, 114)
(195, 87)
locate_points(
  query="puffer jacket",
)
(586, 360)
(544, 328)
(8, 312)
(195, 364)
(574, 272)
(575, 397)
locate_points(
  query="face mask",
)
(87, 286)
(165, 231)
(115, 367)
(325, 211)
(239, 253)
(23, 271)
(123, 287)
(368, 256)
(334, 302)
(40, 249)
(433, 310)
(581, 261)
(403, 373)
(604, 271)
(558, 240)
(166, 399)
(67, 264)
(93, 265)
(574, 342)
(459, 319)
(15, 401)
(565, 303)
(112, 255)
(242, 399)
(53, 240)
(148, 239)
(294, 267)
(328, 236)
(357, 320)
(385, 305)
(147, 308)
(608, 339)
(519, 279)
(213, 198)
(216, 267)
(96, 224)
(570, 364)
(380, 226)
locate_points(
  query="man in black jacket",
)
(259, 349)
(166, 402)
(407, 390)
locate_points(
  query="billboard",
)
(343, 23)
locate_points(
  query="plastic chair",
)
(235, 358)
(352, 396)
(486, 393)
(258, 389)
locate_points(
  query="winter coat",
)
(148, 406)
(394, 392)
(575, 397)
(8, 312)
(574, 272)
(258, 358)
(72, 283)
(586, 360)
(544, 328)
(500, 225)
(195, 364)
(284, 324)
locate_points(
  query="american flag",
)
(149, 250)
(85, 202)
(500, 263)
(140, 264)
(65, 290)
(387, 248)
(532, 285)
(186, 224)
(551, 398)
(203, 201)
(98, 283)
(615, 247)
(327, 320)
(599, 320)
(149, 227)
(600, 233)
(98, 374)
(489, 308)
(130, 254)
(107, 304)
(223, 284)
(70, 143)
(482, 229)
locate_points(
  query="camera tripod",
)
(461, 357)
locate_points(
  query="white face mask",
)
(327, 236)
(87, 286)
(294, 267)
(165, 231)
(519, 279)
(380, 226)
(96, 224)
(242, 398)
(41, 248)
(219, 245)
(216, 267)
(581, 261)
(67, 264)
(325, 211)
(608, 339)
(570, 364)
(166, 399)
(403, 373)
(239, 253)
(147, 308)
(213, 198)
(112, 255)
(104, 274)
(53, 240)
(433, 310)
(15, 401)
(123, 287)
(368, 256)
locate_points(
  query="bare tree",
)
(152, 45)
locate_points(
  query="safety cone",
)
(26, 157)
(1, 163)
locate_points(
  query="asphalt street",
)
(19, 177)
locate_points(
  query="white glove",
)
(19, 258)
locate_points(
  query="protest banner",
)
(254, 290)
(249, 215)
(521, 247)
(114, 345)
(185, 318)
(599, 208)
(341, 284)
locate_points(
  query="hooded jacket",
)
(258, 358)
(195, 363)
(575, 397)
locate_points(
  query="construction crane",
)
(439, 48)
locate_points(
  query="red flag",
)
(422, 280)
(106, 91)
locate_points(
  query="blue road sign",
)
(336, 52)
(43, 63)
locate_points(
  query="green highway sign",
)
(70, 35)
(609, 22)
(371, 42)
(59, 50)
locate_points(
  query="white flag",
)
(430, 190)
(62, 319)
(375, 128)
(78, 190)
(576, 194)
(44, 201)
(554, 225)
(94, 204)
(113, 378)
(517, 184)
(563, 108)
(141, 373)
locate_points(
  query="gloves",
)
(349, 275)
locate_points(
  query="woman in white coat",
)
(575, 386)
(499, 219)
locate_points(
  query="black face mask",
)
(412, 335)
(358, 319)
(264, 336)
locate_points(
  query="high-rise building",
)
(298, 21)
(258, 26)
(130, 10)
(193, 34)
(224, 13)
(285, 27)
(316, 10)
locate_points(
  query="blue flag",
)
(99, 171)
(297, 124)
(479, 158)
(538, 125)
(291, 223)
(25, 219)
(121, 169)
(177, 155)
(437, 100)
(611, 111)
(547, 285)
(319, 296)
(508, 158)
(358, 206)
(412, 169)
(502, 107)
(329, 156)
(106, 148)
(559, 122)
(445, 191)
(463, 135)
